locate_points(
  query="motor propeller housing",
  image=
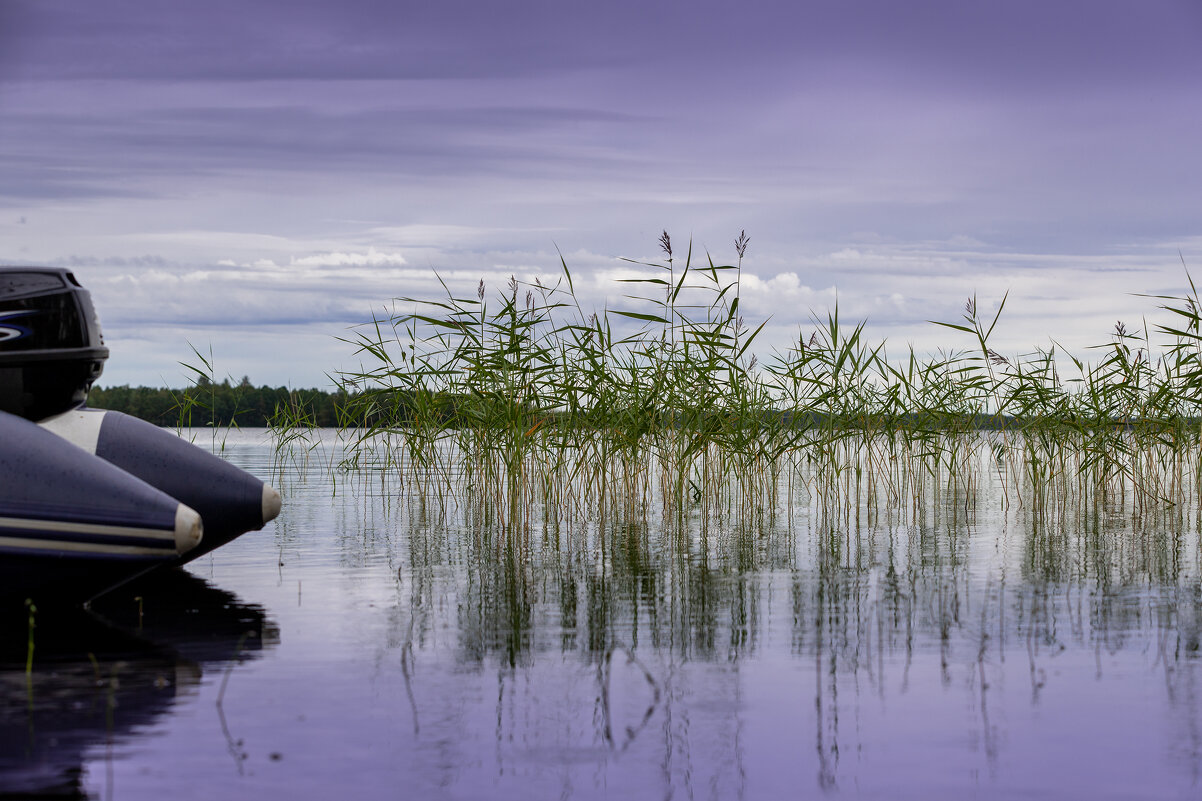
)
(51, 346)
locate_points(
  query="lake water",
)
(364, 646)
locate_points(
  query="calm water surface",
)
(365, 646)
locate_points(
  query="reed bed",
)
(522, 404)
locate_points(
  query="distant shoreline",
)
(218, 404)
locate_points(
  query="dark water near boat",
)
(363, 646)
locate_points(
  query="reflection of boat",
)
(197, 620)
(67, 545)
(98, 677)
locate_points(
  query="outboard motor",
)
(51, 348)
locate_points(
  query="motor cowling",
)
(51, 346)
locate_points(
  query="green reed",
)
(520, 399)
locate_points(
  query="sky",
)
(253, 179)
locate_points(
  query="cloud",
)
(372, 257)
(271, 314)
(231, 165)
(1021, 41)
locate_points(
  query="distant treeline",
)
(247, 406)
(222, 404)
(208, 403)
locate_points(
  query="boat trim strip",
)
(87, 528)
(94, 548)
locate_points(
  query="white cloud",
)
(371, 258)
(269, 303)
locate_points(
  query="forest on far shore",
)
(210, 403)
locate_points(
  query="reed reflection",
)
(955, 599)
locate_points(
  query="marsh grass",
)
(199, 403)
(517, 399)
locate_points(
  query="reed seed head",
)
(741, 243)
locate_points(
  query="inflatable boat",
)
(90, 499)
(72, 524)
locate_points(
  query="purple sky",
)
(257, 176)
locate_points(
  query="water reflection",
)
(996, 609)
(99, 677)
(955, 648)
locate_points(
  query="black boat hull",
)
(230, 501)
(73, 525)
